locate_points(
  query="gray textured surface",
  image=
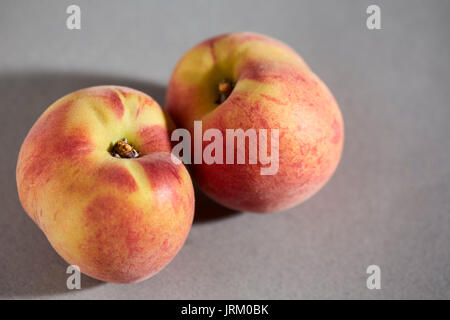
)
(388, 203)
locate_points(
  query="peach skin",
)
(95, 174)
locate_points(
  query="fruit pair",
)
(95, 171)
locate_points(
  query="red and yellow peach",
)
(119, 219)
(273, 89)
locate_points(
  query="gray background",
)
(388, 203)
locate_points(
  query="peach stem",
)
(225, 87)
(122, 149)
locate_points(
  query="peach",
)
(120, 210)
(250, 81)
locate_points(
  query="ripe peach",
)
(120, 211)
(249, 81)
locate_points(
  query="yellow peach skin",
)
(119, 219)
(273, 89)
